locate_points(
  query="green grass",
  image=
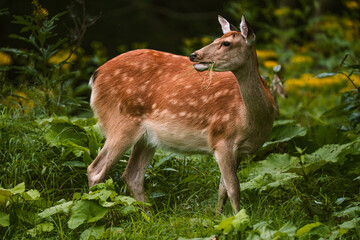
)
(182, 189)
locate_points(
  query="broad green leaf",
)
(41, 228)
(264, 229)
(64, 208)
(85, 211)
(92, 233)
(284, 133)
(275, 163)
(289, 229)
(31, 195)
(334, 152)
(241, 220)
(63, 133)
(225, 225)
(125, 200)
(102, 196)
(253, 236)
(307, 228)
(5, 195)
(128, 209)
(18, 189)
(108, 185)
(351, 211)
(354, 223)
(4, 219)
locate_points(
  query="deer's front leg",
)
(222, 196)
(228, 165)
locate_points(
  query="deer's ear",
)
(246, 31)
(225, 25)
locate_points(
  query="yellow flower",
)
(205, 40)
(301, 59)
(352, 4)
(5, 59)
(39, 13)
(266, 54)
(309, 82)
(20, 100)
(270, 64)
(60, 56)
(282, 11)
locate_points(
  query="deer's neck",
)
(258, 101)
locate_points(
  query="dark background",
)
(161, 24)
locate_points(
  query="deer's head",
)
(227, 53)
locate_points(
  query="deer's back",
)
(165, 95)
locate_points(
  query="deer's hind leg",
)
(134, 174)
(119, 139)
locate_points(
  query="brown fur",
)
(147, 99)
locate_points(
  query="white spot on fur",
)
(117, 72)
(204, 99)
(226, 117)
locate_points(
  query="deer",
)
(146, 99)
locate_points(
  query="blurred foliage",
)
(303, 183)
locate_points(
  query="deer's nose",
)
(193, 56)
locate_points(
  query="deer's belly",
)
(175, 137)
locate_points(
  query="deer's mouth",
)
(202, 66)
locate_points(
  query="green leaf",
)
(146, 217)
(324, 75)
(307, 228)
(354, 223)
(128, 209)
(283, 133)
(163, 160)
(334, 152)
(351, 211)
(289, 230)
(241, 220)
(225, 225)
(41, 228)
(64, 208)
(277, 68)
(85, 211)
(92, 233)
(102, 196)
(18, 189)
(264, 229)
(189, 178)
(74, 164)
(275, 163)
(31, 195)
(4, 219)
(125, 200)
(5, 196)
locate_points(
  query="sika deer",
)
(146, 99)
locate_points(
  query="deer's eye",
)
(226, 43)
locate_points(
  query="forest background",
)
(303, 184)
